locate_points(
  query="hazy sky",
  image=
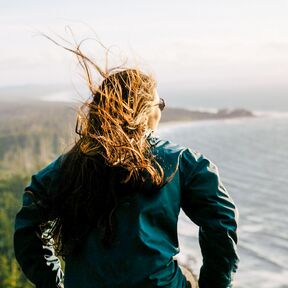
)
(200, 45)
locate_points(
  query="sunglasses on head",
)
(161, 104)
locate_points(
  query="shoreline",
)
(180, 123)
(183, 114)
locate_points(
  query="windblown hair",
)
(115, 126)
(110, 160)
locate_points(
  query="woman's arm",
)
(207, 203)
(37, 261)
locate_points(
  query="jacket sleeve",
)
(37, 261)
(207, 203)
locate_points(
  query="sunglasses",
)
(161, 104)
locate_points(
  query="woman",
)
(110, 205)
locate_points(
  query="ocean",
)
(252, 157)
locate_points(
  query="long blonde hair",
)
(112, 149)
(114, 123)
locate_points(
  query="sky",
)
(206, 46)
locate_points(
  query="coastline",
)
(183, 114)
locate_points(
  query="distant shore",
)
(182, 114)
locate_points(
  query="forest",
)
(31, 135)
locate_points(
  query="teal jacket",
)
(147, 240)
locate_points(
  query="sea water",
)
(252, 158)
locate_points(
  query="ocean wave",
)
(261, 256)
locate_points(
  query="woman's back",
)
(145, 239)
(145, 242)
